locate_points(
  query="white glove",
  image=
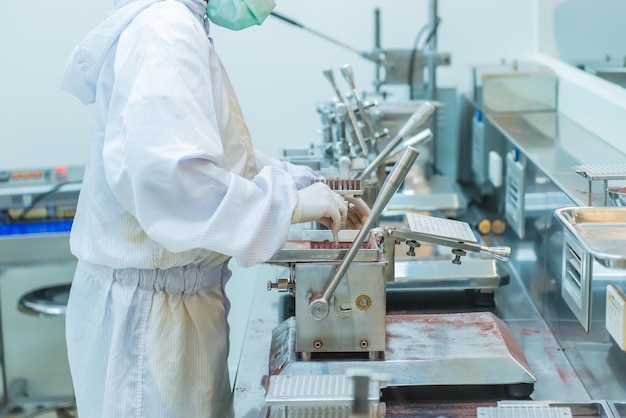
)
(358, 213)
(318, 202)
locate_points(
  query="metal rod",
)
(377, 48)
(432, 47)
(321, 35)
(432, 73)
(318, 306)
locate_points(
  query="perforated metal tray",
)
(601, 172)
(524, 412)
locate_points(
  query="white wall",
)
(577, 31)
(276, 68)
(39, 123)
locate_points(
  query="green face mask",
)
(239, 14)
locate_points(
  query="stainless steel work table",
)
(556, 380)
(556, 144)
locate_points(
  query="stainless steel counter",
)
(555, 143)
(556, 379)
(548, 145)
(572, 366)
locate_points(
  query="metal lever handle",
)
(330, 76)
(357, 130)
(413, 141)
(500, 253)
(417, 118)
(348, 74)
(318, 305)
(459, 247)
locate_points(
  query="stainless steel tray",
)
(304, 246)
(601, 231)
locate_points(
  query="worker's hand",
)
(318, 202)
(358, 212)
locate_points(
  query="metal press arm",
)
(348, 75)
(500, 253)
(318, 305)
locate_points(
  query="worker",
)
(172, 190)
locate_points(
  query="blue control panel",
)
(36, 228)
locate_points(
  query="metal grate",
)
(317, 412)
(439, 227)
(335, 390)
(601, 172)
(527, 411)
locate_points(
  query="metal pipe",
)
(432, 71)
(432, 48)
(291, 21)
(318, 305)
(377, 48)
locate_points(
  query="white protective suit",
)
(172, 189)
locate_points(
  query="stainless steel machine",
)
(356, 129)
(37, 205)
(354, 158)
(341, 323)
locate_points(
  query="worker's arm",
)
(164, 149)
(302, 175)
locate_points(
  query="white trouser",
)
(149, 343)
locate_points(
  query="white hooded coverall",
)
(172, 189)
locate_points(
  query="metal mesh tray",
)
(523, 412)
(440, 227)
(602, 171)
(583, 409)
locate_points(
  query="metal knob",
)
(282, 285)
(458, 253)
